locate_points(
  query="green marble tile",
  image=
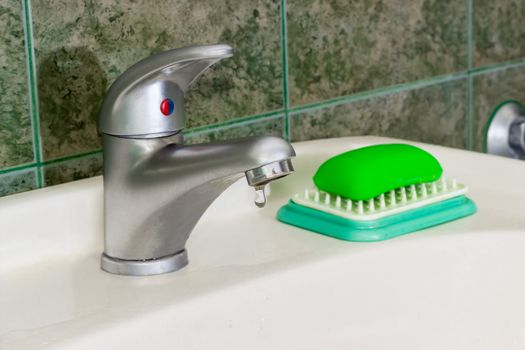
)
(74, 169)
(83, 45)
(339, 47)
(498, 32)
(273, 126)
(15, 123)
(17, 181)
(489, 90)
(434, 114)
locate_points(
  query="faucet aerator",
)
(267, 173)
(261, 176)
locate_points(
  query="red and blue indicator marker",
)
(167, 106)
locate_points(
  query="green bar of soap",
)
(367, 172)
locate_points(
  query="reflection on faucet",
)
(155, 187)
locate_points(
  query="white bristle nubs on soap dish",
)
(386, 204)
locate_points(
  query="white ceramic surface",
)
(254, 283)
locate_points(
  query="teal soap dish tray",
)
(379, 229)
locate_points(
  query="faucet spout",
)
(218, 160)
(171, 186)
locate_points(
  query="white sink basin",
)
(254, 283)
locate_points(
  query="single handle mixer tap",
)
(155, 187)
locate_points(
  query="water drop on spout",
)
(260, 196)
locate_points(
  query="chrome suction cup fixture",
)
(505, 134)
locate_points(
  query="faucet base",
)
(165, 264)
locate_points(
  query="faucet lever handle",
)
(147, 100)
(182, 66)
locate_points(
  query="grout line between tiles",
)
(253, 117)
(470, 112)
(33, 92)
(50, 162)
(469, 35)
(17, 168)
(497, 67)
(469, 107)
(236, 123)
(380, 92)
(284, 52)
(35, 167)
(73, 157)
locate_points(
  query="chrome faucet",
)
(155, 187)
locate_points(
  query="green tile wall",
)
(343, 47)
(15, 122)
(426, 70)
